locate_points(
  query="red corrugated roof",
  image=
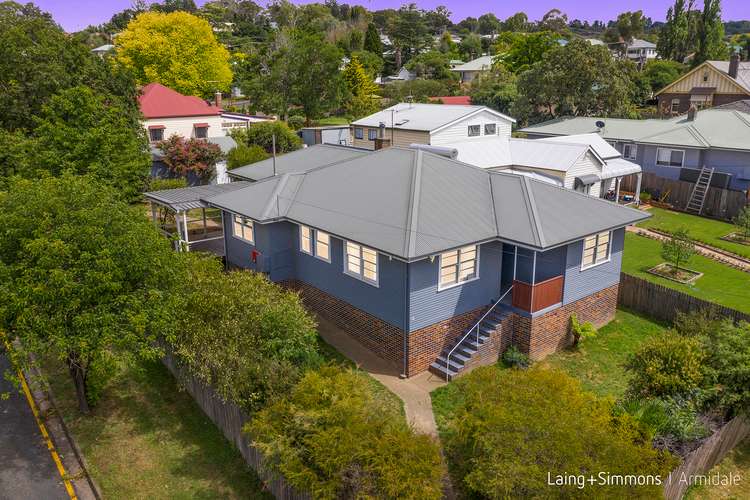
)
(158, 101)
(463, 100)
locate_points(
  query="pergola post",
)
(533, 283)
(617, 189)
(185, 228)
(638, 188)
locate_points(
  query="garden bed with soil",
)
(737, 238)
(680, 275)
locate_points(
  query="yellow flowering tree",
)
(178, 50)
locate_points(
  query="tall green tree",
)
(360, 88)
(408, 33)
(178, 50)
(677, 36)
(519, 51)
(578, 79)
(495, 89)
(372, 40)
(710, 36)
(517, 22)
(88, 279)
(470, 46)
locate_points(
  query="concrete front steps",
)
(468, 348)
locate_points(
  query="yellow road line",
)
(45, 435)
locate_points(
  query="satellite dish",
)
(599, 124)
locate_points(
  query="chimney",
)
(692, 112)
(217, 99)
(734, 65)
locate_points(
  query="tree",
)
(88, 278)
(710, 35)
(372, 40)
(555, 21)
(245, 155)
(438, 20)
(433, 65)
(518, 22)
(578, 79)
(519, 51)
(489, 24)
(360, 88)
(742, 221)
(495, 89)
(381, 456)
(727, 347)
(178, 50)
(659, 73)
(38, 60)
(408, 33)
(630, 25)
(190, 156)
(372, 63)
(246, 337)
(677, 36)
(82, 131)
(511, 430)
(262, 134)
(678, 248)
(471, 46)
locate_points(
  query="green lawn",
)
(598, 362)
(737, 462)
(147, 439)
(701, 229)
(720, 283)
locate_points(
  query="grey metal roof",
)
(712, 128)
(424, 117)
(300, 160)
(479, 64)
(411, 204)
(743, 105)
(190, 197)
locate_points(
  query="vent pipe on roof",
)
(734, 65)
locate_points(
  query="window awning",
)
(156, 127)
(587, 180)
(200, 125)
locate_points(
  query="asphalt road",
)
(26, 467)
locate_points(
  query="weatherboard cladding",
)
(582, 283)
(378, 200)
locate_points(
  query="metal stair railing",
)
(476, 326)
(700, 190)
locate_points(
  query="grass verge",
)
(720, 283)
(146, 438)
(702, 229)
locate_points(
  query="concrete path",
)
(27, 469)
(699, 248)
(414, 391)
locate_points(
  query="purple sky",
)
(76, 14)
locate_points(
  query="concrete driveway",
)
(26, 467)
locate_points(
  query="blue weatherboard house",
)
(429, 262)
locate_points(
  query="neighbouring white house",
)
(583, 162)
(641, 50)
(408, 123)
(167, 112)
(468, 71)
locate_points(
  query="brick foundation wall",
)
(426, 344)
(383, 339)
(549, 333)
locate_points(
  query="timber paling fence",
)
(230, 419)
(703, 459)
(663, 303)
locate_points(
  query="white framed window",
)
(670, 157)
(490, 129)
(596, 249)
(243, 228)
(629, 151)
(361, 262)
(156, 134)
(474, 130)
(458, 266)
(305, 239)
(201, 131)
(322, 245)
(372, 134)
(359, 133)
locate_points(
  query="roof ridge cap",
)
(535, 215)
(412, 217)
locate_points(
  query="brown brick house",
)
(712, 83)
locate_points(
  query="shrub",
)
(645, 197)
(514, 358)
(580, 331)
(333, 438)
(190, 156)
(742, 221)
(245, 155)
(668, 418)
(261, 134)
(512, 428)
(667, 365)
(159, 183)
(247, 337)
(296, 122)
(727, 348)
